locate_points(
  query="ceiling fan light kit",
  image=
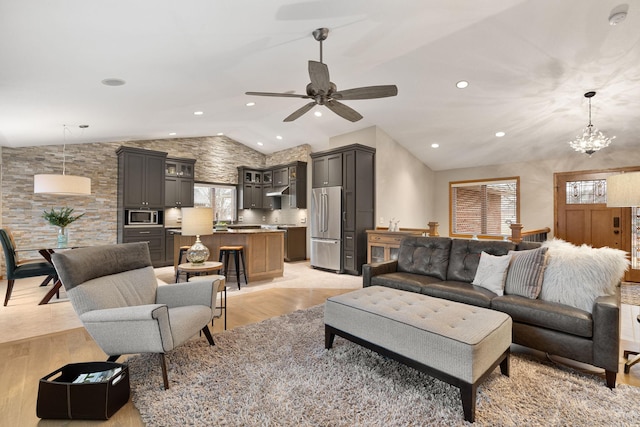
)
(591, 139)
(322, 91)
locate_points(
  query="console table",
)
(383, 245)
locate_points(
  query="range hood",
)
(279, 192)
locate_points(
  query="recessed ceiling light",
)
(113, 82)
(250, 104)
(318, 114)
(500, 134)
(462, 84)
(198, 113)
(172, 133)
(435, 145)
(220, 134)
(260, 143)
(278, 137)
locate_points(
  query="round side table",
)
(192, 269)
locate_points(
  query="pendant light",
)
(591, 139)
(66, 185)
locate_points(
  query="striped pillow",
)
(526, 272)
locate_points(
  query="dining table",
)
(46, 254)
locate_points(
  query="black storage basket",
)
(60, 398)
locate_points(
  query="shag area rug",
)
(277, 373)
(630, 293)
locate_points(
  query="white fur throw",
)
(577, 275)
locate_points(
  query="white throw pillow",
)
(492, 272)
(577, 275)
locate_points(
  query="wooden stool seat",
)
(238, 253)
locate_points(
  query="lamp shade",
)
(197, 221)
(623, 190)
(69, 185)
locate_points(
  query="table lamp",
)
(197, 222)
(623, 190)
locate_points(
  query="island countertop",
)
(234, 231)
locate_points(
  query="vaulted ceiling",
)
(528, 64)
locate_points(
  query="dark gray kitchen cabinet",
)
(326, 170)
(141, 178)
(352, 168)
(154, 236)
(179, 175)
(251, 196)
(298, 185)
(281, 177)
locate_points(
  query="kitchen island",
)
(263, 249)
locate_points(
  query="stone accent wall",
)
(217, 160)
(301, 153)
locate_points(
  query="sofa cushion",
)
(557, 317)
(526, 273)
(404, 281)
(465, 293)
(425, 255)
(492, 272)
(465, 256)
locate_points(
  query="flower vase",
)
(62, 237)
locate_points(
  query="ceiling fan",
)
(324, 92)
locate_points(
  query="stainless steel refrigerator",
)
(326, 228)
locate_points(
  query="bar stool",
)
(181, 253)
(237, 252)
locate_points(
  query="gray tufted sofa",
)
(443, 267)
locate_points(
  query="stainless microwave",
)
(142, 217)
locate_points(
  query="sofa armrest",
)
(606, 331)
(197, 292)
(377, 268)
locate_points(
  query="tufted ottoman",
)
(456, 343)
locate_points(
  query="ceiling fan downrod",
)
(320, 35)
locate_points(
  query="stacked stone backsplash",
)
(217, 160)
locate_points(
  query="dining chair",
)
(20, 261)
(17, 270)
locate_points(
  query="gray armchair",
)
(116, 295)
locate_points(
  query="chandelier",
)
(591, 139)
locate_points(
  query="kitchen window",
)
(221, 198)
(484, 208)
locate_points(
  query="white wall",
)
(404, 185)
(536, 183)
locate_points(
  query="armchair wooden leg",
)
(207, 333)
(165, 377)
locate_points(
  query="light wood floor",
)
(24, 361)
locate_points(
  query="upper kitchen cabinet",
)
(141, 178)
(297, 185)
(281, 177)
(179, 175)
(327, 170)
(250, 193)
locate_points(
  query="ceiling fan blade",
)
(368, 92)
(299, 112)
(286, 95)
(343, 111)
(319, 75)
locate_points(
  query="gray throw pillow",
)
(526, 273)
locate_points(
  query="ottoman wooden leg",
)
(328, 337)
(468, 396)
